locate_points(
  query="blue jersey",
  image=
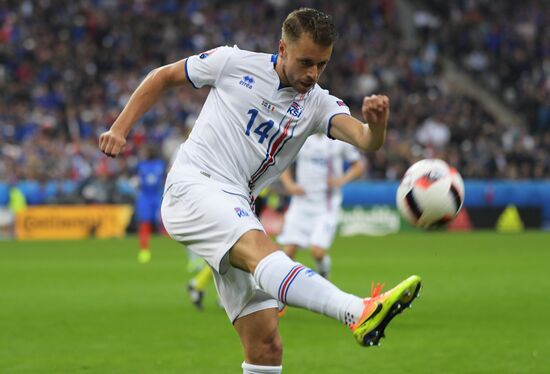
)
(151, 176)
(151, 184)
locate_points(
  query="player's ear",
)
(282, 47)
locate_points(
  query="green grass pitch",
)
(89, 307)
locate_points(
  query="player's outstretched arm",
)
(148, 93)
(367, 136)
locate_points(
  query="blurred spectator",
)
(433, 132)
(100, 188)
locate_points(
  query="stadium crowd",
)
(505, 45)
(68, 67)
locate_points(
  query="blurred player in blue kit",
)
(151, 170)
(260, 110)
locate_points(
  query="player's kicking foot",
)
(381, 308)
(195, 295)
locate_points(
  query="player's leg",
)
(321, 239)
(296, 229)
(295, 232)
(196, 286)
(290, 250)
(209, 227)
(293, 284)
(254, 315)
(144, 215)
(261, 342)
(195, 263)
(144, 254)
(322, 260)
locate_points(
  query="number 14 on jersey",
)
(262, 129)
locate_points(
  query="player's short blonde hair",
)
(316, 24)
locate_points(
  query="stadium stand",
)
(67, 68)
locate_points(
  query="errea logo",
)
(247, 81)
(241, 212)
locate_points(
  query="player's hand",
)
(111, 143)
(376, 110)
(296, 190)
(335, 182)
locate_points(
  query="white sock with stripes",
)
(296, 285)
(261, 369)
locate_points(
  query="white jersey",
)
(250, 129)
(312, 219)
(320, 160)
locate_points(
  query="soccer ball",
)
(430, 194)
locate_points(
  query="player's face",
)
(302, 62)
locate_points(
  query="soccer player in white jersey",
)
(312, 216)
(260, 110)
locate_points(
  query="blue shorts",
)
(148, 207)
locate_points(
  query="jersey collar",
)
(274, 58)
